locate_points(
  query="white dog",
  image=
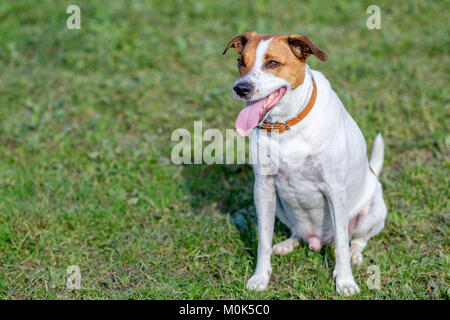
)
(318, 180)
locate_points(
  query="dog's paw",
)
(346, 285)
(258, 282)
(283, 248)
(356, 258)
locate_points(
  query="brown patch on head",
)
(291, 68)
(291, 54)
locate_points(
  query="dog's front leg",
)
(345, 283)
(265, 202)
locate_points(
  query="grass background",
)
(85, 123)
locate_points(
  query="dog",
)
(318, 180)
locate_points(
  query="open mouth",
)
(254, 111)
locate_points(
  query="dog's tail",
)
(377, 156)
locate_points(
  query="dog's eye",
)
(241, 63)
(271, 64)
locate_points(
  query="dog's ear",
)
(239, 42)
(302, 47)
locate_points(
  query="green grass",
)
(85, 124)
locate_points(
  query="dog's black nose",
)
(242, 89)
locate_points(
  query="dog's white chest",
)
(298, 184)
(298, 178)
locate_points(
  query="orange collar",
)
(281, 127)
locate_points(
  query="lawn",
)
(86, 177)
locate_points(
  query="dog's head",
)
(271, 66)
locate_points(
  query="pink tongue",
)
(248, 118)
